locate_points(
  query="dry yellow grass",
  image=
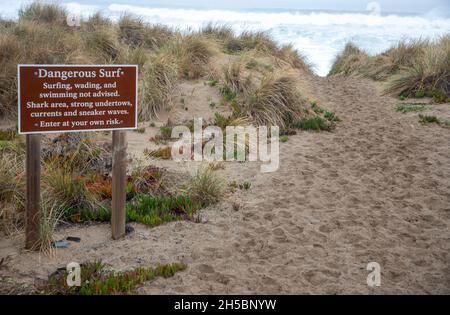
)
(165, 56)
(410, 68)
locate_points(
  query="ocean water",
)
(318, 35)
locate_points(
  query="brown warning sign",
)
(67, 98)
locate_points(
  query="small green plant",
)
(227, 93)
(97, 279)
(426, 119)
(284, 139)
(316, 123)
(420, 93)
(402, 97)
(212, 83)
(407, 108)
(166, 132)
(316, 108)
(245, 186)
(153, 211)
(140, 130)
(330, 116)
(233, 185)
(204, 187)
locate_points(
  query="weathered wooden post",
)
(33, 174)
(119, 179)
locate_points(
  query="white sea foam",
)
(318, 35)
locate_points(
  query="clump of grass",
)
(349, 61)
(316, 108)
(228, 94)
(414, 68)
(259, 41)
(191, 54)
(12, 190)
(408, 108)
(101, 186)
(294, 58)
(233, 45)
(274, 101)
(204, 187)
(430, 72)
(166, 132)
(427, 119)
(330, 116)
(147, 178)
(10, 52)
(284, 138)
(102, 42)
(217, 31)
(69, 190)
(47, 13)
(8, 135)
(211, 83)
(316, 123)
(153, 211)
(245, 186)
(158, 85)
(97, 279)
(222, 121)
(140, 130)
(161, 153)
(164, 135)
(77, 153)
(216, 165)
(51, 214)
(135, 33)
(235, 81)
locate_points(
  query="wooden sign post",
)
(119, 179)
(76, 98)
(33, 169)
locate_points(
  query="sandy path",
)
(375, 189)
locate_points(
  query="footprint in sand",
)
(280, 235)
(204, 268)
(294, 229)
(285, 214)
(325, 228)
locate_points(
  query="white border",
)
(81, 130)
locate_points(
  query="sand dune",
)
(375, 189)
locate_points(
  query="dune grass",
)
(415, 68)
(204, 187)
(165, 56)
(276, 99)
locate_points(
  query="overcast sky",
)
(405, 6)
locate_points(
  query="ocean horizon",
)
(319, 35)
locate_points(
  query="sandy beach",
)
(376, 189)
